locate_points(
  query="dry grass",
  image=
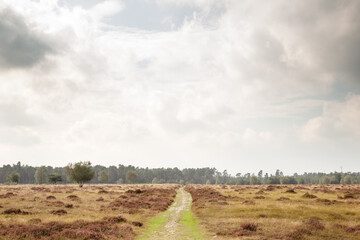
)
(278, 212)
(70, 212)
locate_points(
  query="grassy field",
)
(278, 212)
(217, 212)
(91, 212)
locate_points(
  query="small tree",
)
(14, 177)
(80, 172)
(55, 177)
(347, 179)
(131, 176)
(154, 181)
(103, 176)
(41, 175)
(325, 180)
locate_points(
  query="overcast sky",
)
(241, 85)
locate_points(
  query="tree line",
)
(24, 174)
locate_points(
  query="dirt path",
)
(175, 223)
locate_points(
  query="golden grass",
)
(281, 219)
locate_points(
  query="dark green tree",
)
(55, 177)
(103, 176)
(80, 172)
(288, 180)
(14, 177)
(131, 176)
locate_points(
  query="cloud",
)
(251, 136)
(339, 120)
(106, 8)
(19, 136)
(212, 87)
(15, 113)
(20, 46)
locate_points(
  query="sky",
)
(241, 85)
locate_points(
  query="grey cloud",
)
(20, 47)
(330, 31)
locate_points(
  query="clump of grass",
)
(116, 219)
(283, 199)
(309, 195)
(259, 197)
(73, 198)
(307, 228)
(16, 211)
(249, 226)
(59, 212)
(290, 191)
(245, 229)
(137, 224)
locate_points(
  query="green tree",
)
(254, 180)
(347, 179)
(274, 180)
(131, 176)
(14, 177)
(113, 174)
(336, 179)
(301, 180)
(80, 172)
(54, 178)
(325, 180)
(288, 180)
(260, 176)
(103, 176)
(41, 175)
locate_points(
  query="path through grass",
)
(175, 223)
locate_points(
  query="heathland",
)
(164, 211)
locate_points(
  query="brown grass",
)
(70, 212)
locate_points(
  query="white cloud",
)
(106, 9)
(209, 85)
(339, 120)
(250, 136)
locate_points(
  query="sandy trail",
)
(173, 229)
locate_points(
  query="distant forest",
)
(130, 174)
